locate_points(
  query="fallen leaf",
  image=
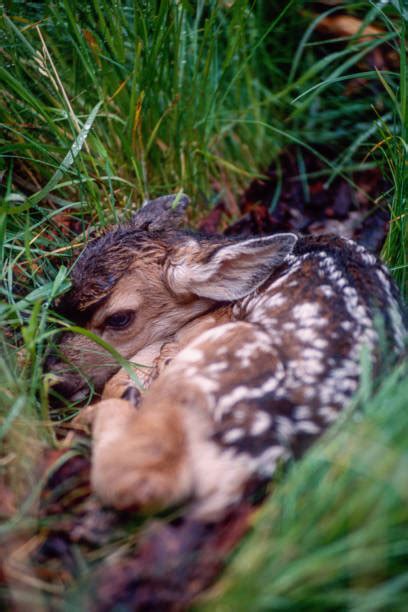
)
(347, 25)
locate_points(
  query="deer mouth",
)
(68, 387)
(67, 383)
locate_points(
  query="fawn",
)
(254, 347)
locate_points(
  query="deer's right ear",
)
(167, 212)
(228, 271)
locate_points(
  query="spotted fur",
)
(252, 382)
(280, 373)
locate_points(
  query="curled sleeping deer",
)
(254, 347)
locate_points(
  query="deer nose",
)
(66, 387)
(63, 383)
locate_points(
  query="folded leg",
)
(165, 451)
(140, 456)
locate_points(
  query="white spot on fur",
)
(302, 412)
(307, 427)
(246, 352)
(216, 333)
(328, 413)
(190, 371)
(305, 311)
(341, 399)
(221, 350)
(285, 427)
(266, 463)
(366, 257)
(326, 290)
(191, 355)
(306, 334)
(312, 353)
(233, 435)
(309, 393)
(214, 368)
(236, 310)
(261, 423)
(301, 369)
(243, 393)
(320, 343)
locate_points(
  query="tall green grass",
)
(187, 94)
(394, 148)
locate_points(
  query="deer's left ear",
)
(229, 272)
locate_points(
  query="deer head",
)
(140, 283)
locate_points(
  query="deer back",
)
(290, 359)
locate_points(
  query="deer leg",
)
(140, 457)
(165, 452)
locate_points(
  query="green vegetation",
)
(103, 104)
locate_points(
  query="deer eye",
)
(120, 320)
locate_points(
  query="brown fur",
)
(149, 446)
(253, 349)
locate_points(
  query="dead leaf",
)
(349, 26)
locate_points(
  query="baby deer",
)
(257, 343)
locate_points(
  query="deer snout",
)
(69, 388)
(78, 365)
(66, 382)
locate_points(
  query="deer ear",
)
(162, 213)
(229, 272)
